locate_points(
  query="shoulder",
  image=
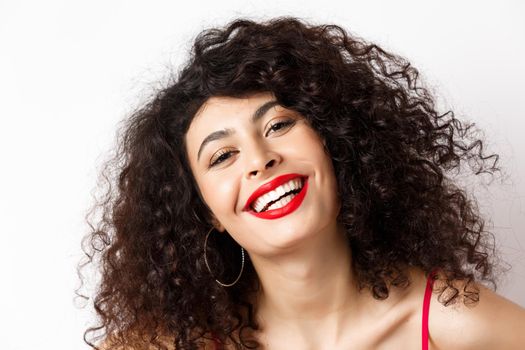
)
(493, 322)
(138, 343)
(134, 342)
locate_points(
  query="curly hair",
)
(392, 153)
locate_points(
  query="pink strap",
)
(426, 306)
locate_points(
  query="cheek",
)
(314, 147)
(220, 195)
(324, 162)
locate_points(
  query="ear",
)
(218, 226)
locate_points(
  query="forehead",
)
(219, 113)
(221, 109)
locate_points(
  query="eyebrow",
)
(220, 134)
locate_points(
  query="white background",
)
(70, 70)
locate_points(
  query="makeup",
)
(291, 205)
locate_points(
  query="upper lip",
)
(270, 185)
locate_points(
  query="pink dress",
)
(426, 307)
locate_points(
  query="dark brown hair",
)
(393, 155)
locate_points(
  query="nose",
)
(260, 160)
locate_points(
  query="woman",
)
(291, 189)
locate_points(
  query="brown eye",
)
(280, 125)
(221, 157)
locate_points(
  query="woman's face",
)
(256, 142)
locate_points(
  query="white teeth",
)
(273, 195)
(259, 203)
(281, 203)
(267, 197)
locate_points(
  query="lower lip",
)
(287, 209)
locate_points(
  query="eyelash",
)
(284, 123)
(219, 159)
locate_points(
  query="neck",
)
(310, 286)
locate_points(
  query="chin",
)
(287, 239)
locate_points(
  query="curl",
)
(393, 155)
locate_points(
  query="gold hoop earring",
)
(208, 266)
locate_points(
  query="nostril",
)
(269, 164)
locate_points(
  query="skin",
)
(309, 299)
(259, 156)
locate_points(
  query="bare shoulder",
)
(133, 342)
(493, 322)
(138, 343)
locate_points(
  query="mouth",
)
(279, 197)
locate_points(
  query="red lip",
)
(267, 187)
(287, 209)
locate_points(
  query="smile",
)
(279, 197)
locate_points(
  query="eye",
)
(280, 125)
(220, 157)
